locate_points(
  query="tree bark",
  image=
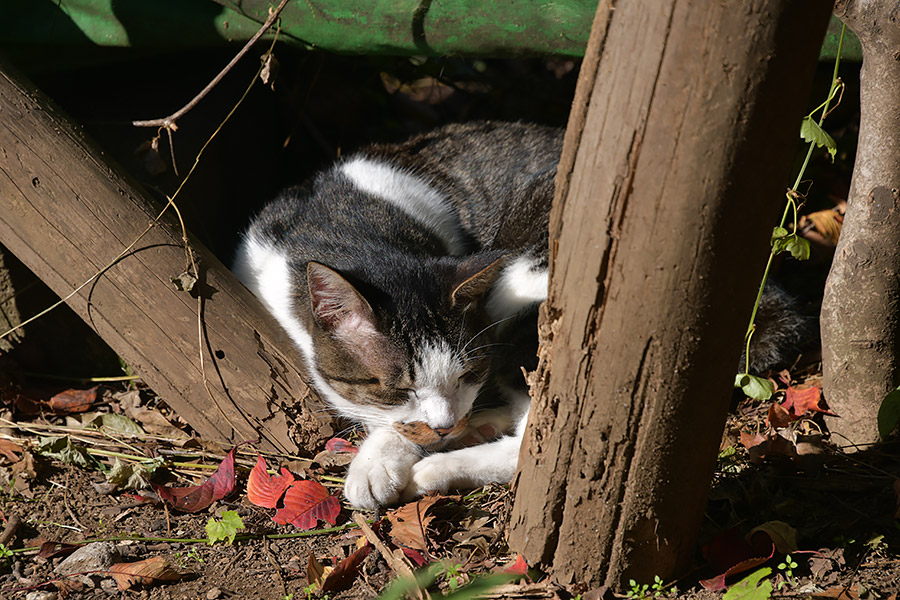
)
(66, 214)
(664, 205)
(860, 317)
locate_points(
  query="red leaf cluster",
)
(340, 445)
(303, 503)
(197, 497)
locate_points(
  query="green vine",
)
(782, 240)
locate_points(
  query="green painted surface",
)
(396, 27)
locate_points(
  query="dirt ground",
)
(842, 508)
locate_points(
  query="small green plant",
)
(787, 567)
(755, 586)
(5, 555)
(453, 576)
(224, 530)
(636, 591)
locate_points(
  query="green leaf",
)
(754, 387)
(797, 246)
(62, 449)
(401, 586)
(224, 530)
(480, 586)
(889, 414)
(133, 476)
(750, 588)
(811, 131)
(113, 423)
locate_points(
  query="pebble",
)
(40, 595)
(213, 594)
(97, 556)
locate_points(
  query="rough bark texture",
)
(658, 237)
(861, 308)
(66, 213)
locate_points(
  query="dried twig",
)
(169, 122)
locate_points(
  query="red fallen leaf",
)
(343, 575)
(340, 445)
(51, 549)
(145, 572)
(305, 502)
(265, 490)
(73, 401)
(520, 567)
(197, 497)
(414, 556)
(800, 401)
(732, 553)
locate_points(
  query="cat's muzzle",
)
(419, 432)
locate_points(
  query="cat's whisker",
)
(494, 324)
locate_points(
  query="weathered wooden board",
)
(66, 213)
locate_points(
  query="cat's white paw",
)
(464, 469)
(380, 472)
(434, 474)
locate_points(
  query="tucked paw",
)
(380, 472)
(434, 474)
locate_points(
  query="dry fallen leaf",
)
(265, 490)
(410, 522)
(197, 497)
(305, 503)
(145, 572)
(73, 401)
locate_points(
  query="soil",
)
(842, 507)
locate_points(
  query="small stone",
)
(109, 586)
(213, 593)
(97, 556)
(40, 595)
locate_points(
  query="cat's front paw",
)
(434, 474)
(380, 472)
(463, 469)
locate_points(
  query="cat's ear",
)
(476, 276)
(336, 304)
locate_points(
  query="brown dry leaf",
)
(145, 572)
(316, 572)
(9, 450)
(420, 433)
(778, 417)
(409, 522)
(837, 592)
(782, 535)
(73, 401)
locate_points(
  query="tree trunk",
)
(861, 309)
(673, 171)
(66, 214)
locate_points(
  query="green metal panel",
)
(389, 27)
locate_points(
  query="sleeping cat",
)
(409, 277)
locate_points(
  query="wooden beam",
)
(67, 213)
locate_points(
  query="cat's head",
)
(416, 354)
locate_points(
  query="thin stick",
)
(169, 122)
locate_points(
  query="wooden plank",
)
(66, 214)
